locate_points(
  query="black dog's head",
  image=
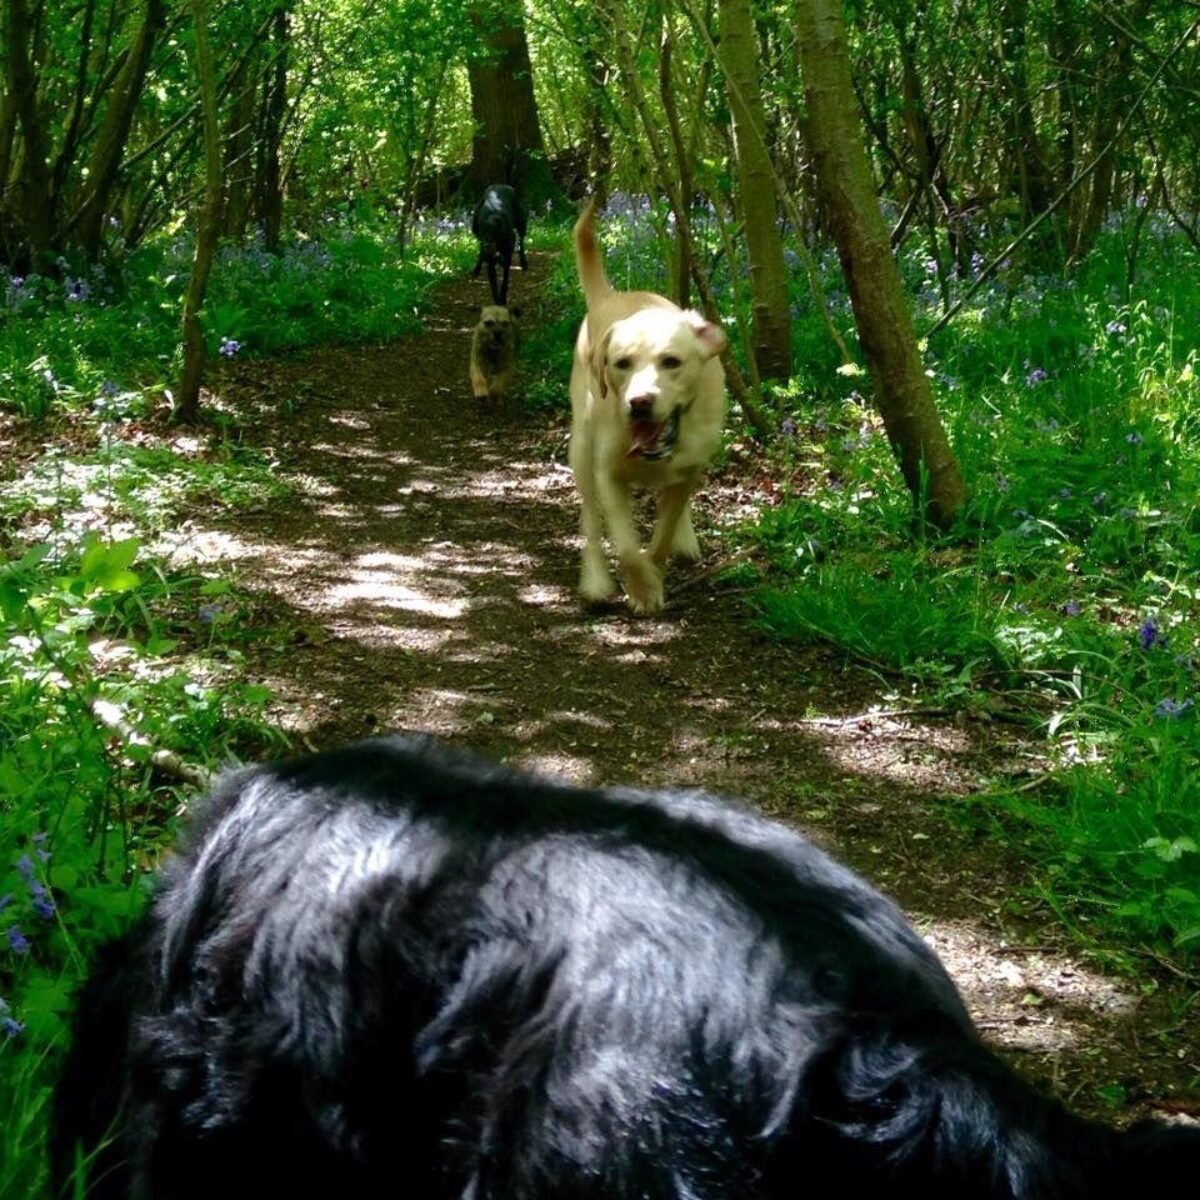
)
(495, 220)
(396, 963)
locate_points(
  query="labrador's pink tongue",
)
(645, 435)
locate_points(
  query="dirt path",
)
(427, 573)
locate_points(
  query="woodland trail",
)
(425, 572)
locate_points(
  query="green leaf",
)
(105, 566)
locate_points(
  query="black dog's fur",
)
(398, 971)
(499, 223)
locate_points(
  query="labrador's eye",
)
(623, 364)
(670, 362)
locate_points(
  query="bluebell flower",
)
(1100, 499)
(1168, 709)
(24, 865)
(788, 427)
(5, 901)
(12, 1027)
(1149, 634)
(1134, 439)
(18, 943)
(208, 613)
(1037, 375)
(44, 907)
(229, 347)
(1072, 608)
(1064, 493)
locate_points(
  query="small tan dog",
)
(493, 352)
(647, 407)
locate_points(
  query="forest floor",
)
(424, 576)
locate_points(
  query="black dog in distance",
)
(399, 971)
(499, 223)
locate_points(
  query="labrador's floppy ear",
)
(599, 363)
(710, 336)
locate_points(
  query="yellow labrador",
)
(647, 407)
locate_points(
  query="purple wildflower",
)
(5, 901)
(1134, 439)
(18, 943)
(208, 613)
(229, 347)
(44, 907)
(24, 865)
(1072, 608)
(1168, 709)
(12, 1027)
(1149, 634)
(1037, 375)
(1100, 499)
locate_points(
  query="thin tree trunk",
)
(684, 247)
(739, 53)
(270, 171)
(105, 164)
(187, 403)
(880, 309)
(239, 149)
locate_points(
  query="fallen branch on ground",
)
(111, 717)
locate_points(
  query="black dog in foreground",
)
(394, 970)
(499, 223)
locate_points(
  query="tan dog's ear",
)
(599, 363)
(710, 336)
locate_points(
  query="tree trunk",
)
(880, 309)
(756, 191)
(1026, 147)
(507, 146)
(32, 184)
(187, 403)
(269, 190)
(105, 164)
(239, 148)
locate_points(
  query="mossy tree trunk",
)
(885, 329)
(34, 209)
(104, 166)
(739, 55)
